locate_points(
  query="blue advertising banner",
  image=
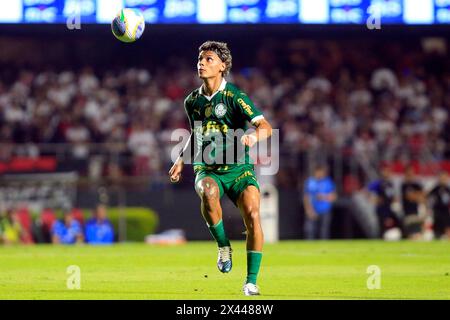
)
(231, 11)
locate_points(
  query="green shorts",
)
(232, 179)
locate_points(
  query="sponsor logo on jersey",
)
(213, 127)
(245, 106)
(245, 174)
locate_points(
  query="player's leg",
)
(325, 225)
(310, 228)
(209, 193)
(248, 203)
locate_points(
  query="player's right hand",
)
(175, 171)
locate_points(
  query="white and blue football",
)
(128, 25)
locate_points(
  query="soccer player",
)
(215, 111)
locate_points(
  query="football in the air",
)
(128, 25)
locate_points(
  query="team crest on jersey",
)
(220, 110)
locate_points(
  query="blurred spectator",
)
(42, 227)
(78, 215)
(323, 95)
(142, 144)
(384, 198)
(413, 197)
(439, 201)
(10, 228)
(99, 229)
(68, 231)
(25, 219)
(78, 135)
(319, 195)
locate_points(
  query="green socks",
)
(218, 233)
(253, 264)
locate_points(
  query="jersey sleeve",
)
(188, 109)
(331, 186)
(76, 227)
(309, 187)
(246, 106)
(58, 229)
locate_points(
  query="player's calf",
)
(208, 191)
(249, 205)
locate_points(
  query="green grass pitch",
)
(290, 270)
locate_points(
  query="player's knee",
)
(208, 191)
(252, 213)
(252, 222)
(211, 193)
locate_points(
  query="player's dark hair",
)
(221, 49)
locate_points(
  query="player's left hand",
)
(249, 140)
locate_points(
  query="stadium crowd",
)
(384, 103)
(376, 103)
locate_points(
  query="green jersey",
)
(217, 123)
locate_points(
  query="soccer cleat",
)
(224, 259)
(250, 289)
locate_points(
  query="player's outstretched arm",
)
(175, 171)
(262, 132)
